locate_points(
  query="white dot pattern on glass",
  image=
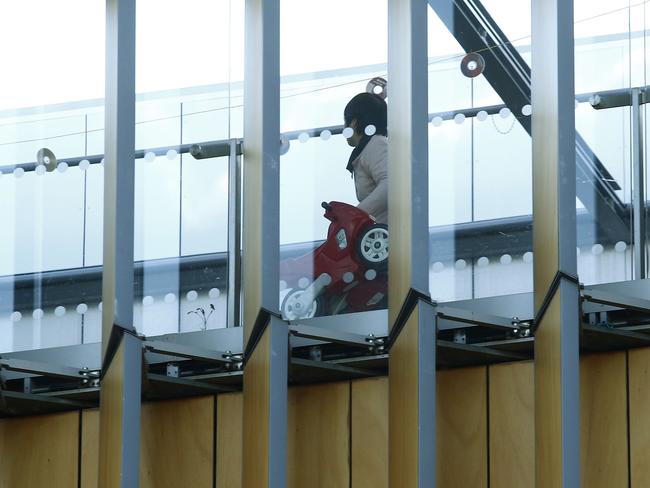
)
(597, 249)
(170, 298)
(370, 130)
(437, 121)
(326, 134)
(16, 316)
(348, 132)
(371, 274)
(171, 154)
(526, 110)
(214, 293)
(148, 300)
(84, 164)
(504, 113)
(40, 170)
(506, 259)
(348, 277)
(483, 262)
(459, 118)
(303, 282)
(59, 311)
(38, 314)
(192, 295)
(149, 157)
(82, 308)
(19, 172)
(482, 115)
(303, 137)
(62, 167)
(438, 267)
(460, 264)
(620, 246)
(528, 257)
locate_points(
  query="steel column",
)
(265, 336)
(638, 188)
(234, 236)
(557, 416)
(412, 358)
(119, 435)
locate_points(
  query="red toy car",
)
(347, 273)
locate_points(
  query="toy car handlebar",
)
(326, 206)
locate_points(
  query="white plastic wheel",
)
(293, 309)
(373, 245)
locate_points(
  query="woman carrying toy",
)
(366, 115)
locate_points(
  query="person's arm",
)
(376, 163)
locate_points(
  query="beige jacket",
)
(371, 178)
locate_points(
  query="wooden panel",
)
(255, 448)
(548, 426)
(40, 451)
(110, 422)
(90, 448)
(639, 378)
(512, 425)
(462, 428)
(369, 463)
(603, 418)
(177, 443)
(318, 436)
(229, 440)
(403, 407)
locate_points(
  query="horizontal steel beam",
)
(479, 319)
(190, 352)
(606, 298)
(337, 336)
(45, 369)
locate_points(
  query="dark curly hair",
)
(367, 109)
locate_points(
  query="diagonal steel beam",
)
(510, 76)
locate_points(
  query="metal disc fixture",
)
(378, 86)
(472, 65)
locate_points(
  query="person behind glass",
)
(366, 114)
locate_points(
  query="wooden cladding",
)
(39, 451)
(338, 433)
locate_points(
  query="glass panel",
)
(50, 194)
(480, 171)
(336, 265)
(183, 85)
(606, 35)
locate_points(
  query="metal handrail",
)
(221, 148)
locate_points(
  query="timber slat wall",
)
(338, 433)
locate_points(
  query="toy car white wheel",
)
(373, 246)
(293, 309)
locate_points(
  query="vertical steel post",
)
(119, 436)
(557, 414)
(412, 352)
(638, 188)
(234, 236)
(265, 336)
